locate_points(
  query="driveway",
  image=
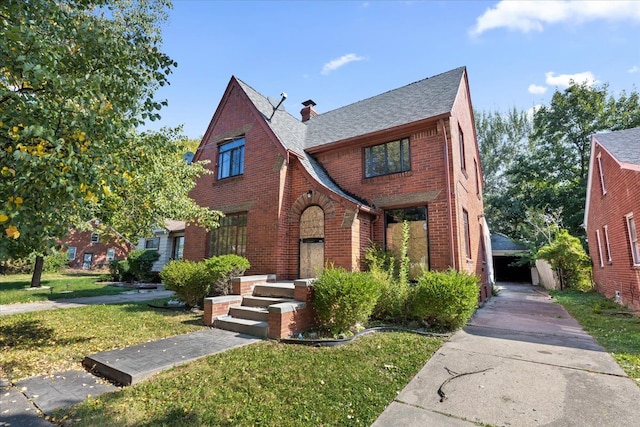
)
(521, 361)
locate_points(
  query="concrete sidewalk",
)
(130, 296)
(521, 361)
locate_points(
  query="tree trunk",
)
(37, 272)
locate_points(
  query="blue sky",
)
(338, 52)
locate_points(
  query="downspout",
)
(452, 258)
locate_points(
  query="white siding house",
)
(169, 241)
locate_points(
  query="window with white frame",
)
(599, 242)
(601, 172)
(607, 245)
(633, 240)
(111, 254)
(71, 253)
(95, 238)
(467, 233)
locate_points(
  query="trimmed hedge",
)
(193, 281)
(141, 262)
(446, 299)
(344, 299)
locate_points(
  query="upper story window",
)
(463, 162)
(599, 248)
(153, 243)
(95, 238)
(633, 240)
(384, 159)
(231, 159)
(607, 244)
(601, 171)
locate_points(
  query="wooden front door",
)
(311, 242)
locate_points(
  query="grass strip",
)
(269, 384)
(45, 342)
(16, 288)
(613, 326)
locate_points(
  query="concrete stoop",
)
(251, 315)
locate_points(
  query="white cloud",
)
(334, 64)
(633, 69)
(564, 80)
(537, 90)
(529, 16)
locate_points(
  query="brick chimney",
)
(308, 112)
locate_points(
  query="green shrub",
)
(567, 255)
(446, 299)
(221, 269)
(392, 302)
(119, 270)
(377, 258)
(344, 299)
(54, 262)
(189, 280)
(141, 262)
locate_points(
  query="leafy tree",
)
(567, 256)
(502, 137)
(550, 172)
(77, 79)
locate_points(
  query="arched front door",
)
(311, 241)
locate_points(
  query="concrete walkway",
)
(130, 296)
(521, 361)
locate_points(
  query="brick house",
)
(612, 215)
(301, 193)
(90, 249)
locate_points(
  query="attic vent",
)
(308, 112)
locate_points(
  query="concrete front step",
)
(275, 290)
(253, 301)
(243, 326)
(251, 313)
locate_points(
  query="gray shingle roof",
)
(417, 101)
(500, 242)
(624, 145)
(420, 100)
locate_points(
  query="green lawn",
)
(15, 288)
(269, 384)
(50, 341)
(606, 321)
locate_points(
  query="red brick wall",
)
(256, 192)
(622, 197)
(81, 240)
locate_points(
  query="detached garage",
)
(506, 253)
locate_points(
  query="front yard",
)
(613, 326)
(15, 288)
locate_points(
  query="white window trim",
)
(96, 239)
(633, 240)
(114, 254)
(598, 240)
(607, 243)
(75, 251)
(152, 248)
(601, 171)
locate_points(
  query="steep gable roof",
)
(423, 99)
(624, 145)
(430, 97)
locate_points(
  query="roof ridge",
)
(266, 98)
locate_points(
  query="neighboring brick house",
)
(90, 249)
(612, 214)
(300, 194)
(168, 241)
